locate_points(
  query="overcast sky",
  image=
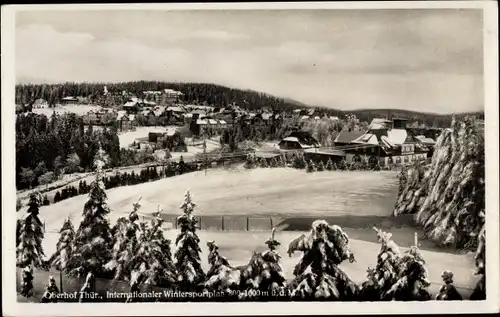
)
(424, 60)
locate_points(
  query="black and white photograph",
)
(247, 154)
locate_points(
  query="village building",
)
(386, 144)
(125, 122)
(132, 106)
(40, 104)
(298, 141)
(69, 100)
(171, 96)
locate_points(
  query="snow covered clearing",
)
(129, 137)
(280, 191)
(77, 109)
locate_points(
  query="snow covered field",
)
(78, 109)
(129, 137)
(272, 191)
(282, 191)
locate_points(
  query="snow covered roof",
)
(175, 109)
(305, 117)
(130, 104)
(146, 112)
(188, 115)
(121, 114)
(131, 117)
(397, 136)
(170, 132)
(201, 121)
(291, 139)
(334, 118)
(316, 118)
(222, 122)
(297, 110)
(212, 121)
(173, 92)
(326, 151)
(367, 138)
(266, 116)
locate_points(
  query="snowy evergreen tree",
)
(310, 167)
(93, 239)
(153, 263)
(29, 251)
(282, 160)
(187, 255)
(263, 277)
(46, 201)
(299, 161)
(27, 282)
(263, 163)
(221, 277)
(329, 165)
(342, 166)
(249, 163)
(317, 275)
(125, 245)
(448, 291)
(380, 279)
(64, 248)
(448, 196)
(321, 166)
(273, 163)
(51, 292)
(412, 280)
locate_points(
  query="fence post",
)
(222, 223)
(248, 222)
(271, 220)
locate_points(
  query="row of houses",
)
(386, 141)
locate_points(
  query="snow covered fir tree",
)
(125, 245)
(413, 279)
(317, 275)
(187, 254)
(263, 279)
(29, 250)
(221, 276)
(448, 196)
(380, 279)
(51, 291)
(93, 239)
(64, 250)
(152, 261)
